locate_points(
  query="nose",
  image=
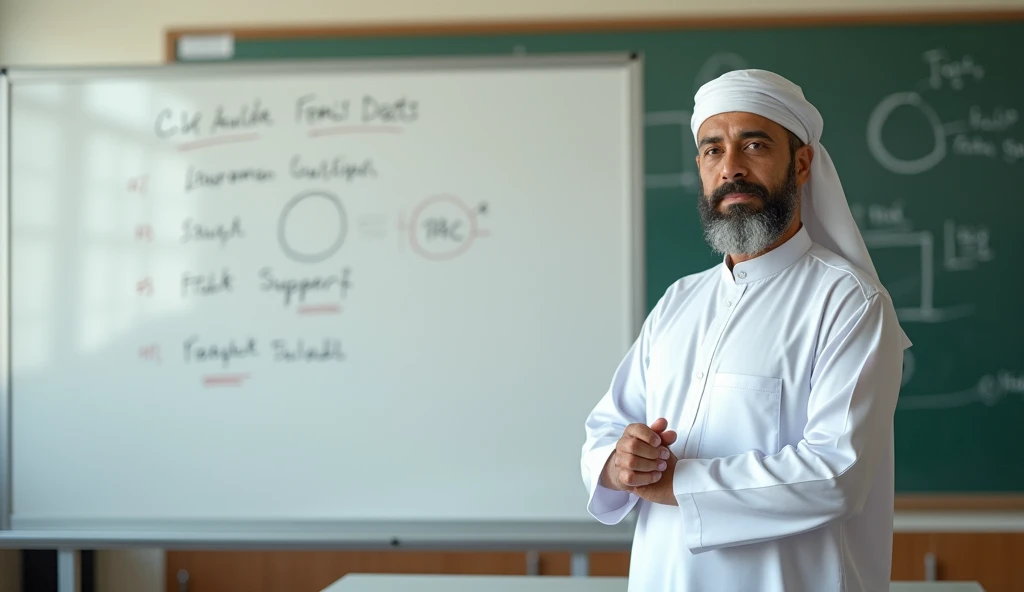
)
(733, 167)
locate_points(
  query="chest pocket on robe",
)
(743, 414)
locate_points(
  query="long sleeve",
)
(624, 403)
(828, 474)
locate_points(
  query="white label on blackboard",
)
(206, 47)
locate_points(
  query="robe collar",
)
(770, 263)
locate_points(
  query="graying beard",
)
(742, 235)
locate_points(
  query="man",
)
(752, 419)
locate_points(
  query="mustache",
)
(740, 186)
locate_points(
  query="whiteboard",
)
(323, 291)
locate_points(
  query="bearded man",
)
(751, 422)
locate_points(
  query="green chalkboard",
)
(923, 122)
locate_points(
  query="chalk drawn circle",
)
(877, 146)
(311, 198)
(432, 202)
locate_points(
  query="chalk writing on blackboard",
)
(999, 119)
(966, 245)
(952, 72)
(889, 216)
(717, 64)
(922, 243)
(929, 157)
(981, 132)
(990, 390)
(1013, 150)
(977, 135)
(684, 173)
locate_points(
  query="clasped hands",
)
(642, 463)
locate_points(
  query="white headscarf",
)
(824, 209)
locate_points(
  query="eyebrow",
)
(744, 135)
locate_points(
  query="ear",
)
(804, 156)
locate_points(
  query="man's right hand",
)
(640, 456)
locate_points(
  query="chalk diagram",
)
(964, 246)
(939, 130)
(923, 242)
(687, 176)
(443, 227)
(718, 64)
(990, 390)
(312, 227)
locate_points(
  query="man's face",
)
(750, 180)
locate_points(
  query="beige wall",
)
(77, 32)
(117, 31)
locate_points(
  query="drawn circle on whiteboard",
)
(877, 146)
(719, 64)
(443, 207)
(312, 227)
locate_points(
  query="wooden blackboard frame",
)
(581, 25)
(905, 502)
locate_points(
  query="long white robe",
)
(781, 378)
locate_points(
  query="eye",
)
(709, 151)
(755, 145)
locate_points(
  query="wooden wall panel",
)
(996, 560)
(311, 571)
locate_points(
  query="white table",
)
(450, 583)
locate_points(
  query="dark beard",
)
(748, 228)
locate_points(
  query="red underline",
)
(320, 309)
(356, 129)
(221, 140)
(224, 379)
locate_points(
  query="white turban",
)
(824, 209)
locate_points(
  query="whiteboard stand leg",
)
(580, 565)
(69, 578)
(930, 568)
(532, 563)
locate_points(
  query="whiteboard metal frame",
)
(6, 468)
(194, 70)
(579, 537)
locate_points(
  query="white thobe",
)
(781, 378)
